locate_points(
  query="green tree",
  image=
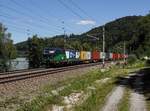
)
(7, 49)
(141, 43)
(76, 45)
(35, 48)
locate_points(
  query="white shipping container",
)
(77, 55)
(67, 54)
(88, 55)
(110, 55)
(102, 55)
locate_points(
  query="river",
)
(19, 63)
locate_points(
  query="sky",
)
(47, 18)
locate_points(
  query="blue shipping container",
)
(72, 54)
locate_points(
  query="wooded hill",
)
(134, 30)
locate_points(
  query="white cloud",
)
(86, 22)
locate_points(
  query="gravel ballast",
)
(14, 94)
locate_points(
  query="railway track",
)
(7, 78)
(19, 71)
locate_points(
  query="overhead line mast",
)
(64, 32)
(124, 51)
(103, 29)
(103, 45)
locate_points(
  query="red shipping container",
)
(119, 56)
(114, 56)
(95, 55)
(126, 56)
(123, 56)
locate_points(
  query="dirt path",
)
(114, 99)
(137, 102)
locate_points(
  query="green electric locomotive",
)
(59, 56)
(54, 56)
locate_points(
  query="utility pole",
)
(103, 54)
(103, 45)
(28, 32)
(64, 32)
(124, 52)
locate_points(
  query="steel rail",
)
(32, 74)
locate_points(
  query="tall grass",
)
(75, 84)
(97, 99)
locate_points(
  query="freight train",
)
(60, 56)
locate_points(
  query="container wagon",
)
(95, 56)
(59, 56)
(85, 56)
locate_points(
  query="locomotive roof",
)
(48, 48)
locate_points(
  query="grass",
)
(124, 103)
(96, 99)
(46, 99)
(38, 103)
(148, 105)
(137, 64)
(83, 82)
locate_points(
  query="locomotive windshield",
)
(48, 53)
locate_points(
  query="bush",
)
(3, 65)
(148, 62)
(132, 59)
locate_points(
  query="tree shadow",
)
(137, 81)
